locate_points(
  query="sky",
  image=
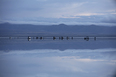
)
(54, 62)
(100, 12)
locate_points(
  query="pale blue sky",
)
(58, 11)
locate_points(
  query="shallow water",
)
(77, 57)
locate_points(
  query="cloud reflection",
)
(56, 63)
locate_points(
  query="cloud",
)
(52, 8)
(110, 19)
(87, 53)
(21, 11)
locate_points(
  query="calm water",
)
(77, 57)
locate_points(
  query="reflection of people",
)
(94, 38)
(40, 37)
(54, 38)
(86, 38)
(10, 37)
(36, 37)
(72, 37)
(29, 38)
(67, 37)
(61, 38)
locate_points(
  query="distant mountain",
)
(7, 29)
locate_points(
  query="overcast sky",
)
(58, 11)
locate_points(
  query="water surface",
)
(20, 57)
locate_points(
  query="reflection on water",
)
(22, 43)
(64, 57)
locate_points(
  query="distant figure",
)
(61, 38)
(67, 37)
(94, 38)
(72, 38)
(29, 38)
(54, 38)
(37, 38)
(86, 38)
(10, 37)
(41, 38)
